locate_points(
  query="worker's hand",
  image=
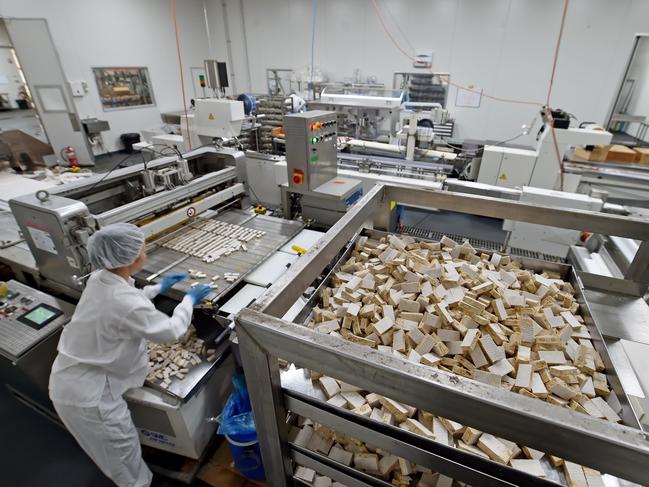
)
(171, 280)
(198, 293)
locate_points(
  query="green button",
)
(314, 158)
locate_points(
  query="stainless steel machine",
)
(312, 167)
(511, 167)
(363, 112)
(156, 196)
(30, 325)
(187, 209)
(611, 307)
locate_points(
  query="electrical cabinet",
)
(311, 154)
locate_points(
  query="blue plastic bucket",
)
(246, 455)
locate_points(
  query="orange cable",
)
(396, 44)
(554, 70)
(556, 50)
(491, 97)
(180, 66)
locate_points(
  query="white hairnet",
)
(116, 245)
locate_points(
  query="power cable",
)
(119, 163)
(314, 7)
(180, 67)
(447, 78)
(175, 150)
(253, 192)
(554, 70)
(387, 31)
(387, 7)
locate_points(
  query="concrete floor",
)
(36, 452)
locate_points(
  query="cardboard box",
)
(620, 153)
(598, 154)
(644, 154)
(15, 142)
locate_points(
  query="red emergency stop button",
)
(298, 176)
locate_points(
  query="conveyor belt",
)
(479, 243)
(277, 233)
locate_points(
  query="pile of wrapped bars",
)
(444, 305)
(177, 358)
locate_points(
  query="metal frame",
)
(619, 450)
(149, 204)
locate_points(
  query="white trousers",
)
(107, 434)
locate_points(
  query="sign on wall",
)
(124, 87)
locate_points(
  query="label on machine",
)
(156, 437)
(42, 240)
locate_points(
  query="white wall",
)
(95, 33)
(503, 46)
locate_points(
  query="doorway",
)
(23, 141)
(41, 118)
(629, 117)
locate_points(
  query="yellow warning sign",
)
(503, 177)
(210, 116)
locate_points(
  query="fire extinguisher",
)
(70, 156)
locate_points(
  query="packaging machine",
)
(30, 325)
(156, 196)
(362, 112)
(170, 199)
(622, 451)
(175, 199)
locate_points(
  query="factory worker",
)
(102, 352)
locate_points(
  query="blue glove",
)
(170, 280)
(198, 293)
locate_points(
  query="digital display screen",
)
(40, 315)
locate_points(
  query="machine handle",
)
(42, 195)
(224, 334)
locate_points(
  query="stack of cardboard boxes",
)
(614, 153)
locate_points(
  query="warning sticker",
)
(210, 116)
(503, 177)
(42, 240)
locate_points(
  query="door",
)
(49, 88)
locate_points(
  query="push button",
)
(298, 176)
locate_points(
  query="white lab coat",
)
(102, 353)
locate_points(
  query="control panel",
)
(311, 148)
(28, 316)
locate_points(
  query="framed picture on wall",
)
(121, 88)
